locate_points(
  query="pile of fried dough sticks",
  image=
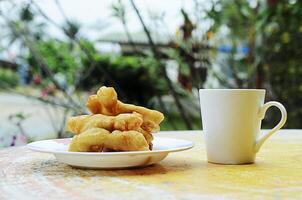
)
(113, 125)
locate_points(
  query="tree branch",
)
(85, 72)
(163, 69)
(23, 35)
(47, 101)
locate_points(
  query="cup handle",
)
(261, 114)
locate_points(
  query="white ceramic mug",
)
(231, 120)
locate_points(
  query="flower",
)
(37, 79)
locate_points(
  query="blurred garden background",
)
(54, 53)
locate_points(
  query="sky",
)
(97, 22)
(96, 15)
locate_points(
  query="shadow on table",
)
(52, 167)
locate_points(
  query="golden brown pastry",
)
(148, 136)
(106, 103)
(123, 122)
(113, 125)
(96, 139)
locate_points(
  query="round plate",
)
(161, 148)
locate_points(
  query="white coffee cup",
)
(231, 120)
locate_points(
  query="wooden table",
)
(277, 174)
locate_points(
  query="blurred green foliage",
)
(282, 56)
(8, 78)
(59, 56)
(272, 31)
(136, 76)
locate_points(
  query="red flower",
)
(44, 92)
(37, 79)
(49, 90)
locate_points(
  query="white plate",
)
(161, 148)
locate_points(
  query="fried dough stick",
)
(106, 102)
(123, 122)
(96, 139)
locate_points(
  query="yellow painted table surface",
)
(277, 174)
